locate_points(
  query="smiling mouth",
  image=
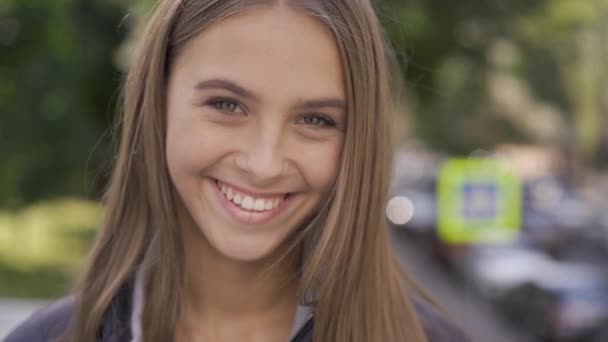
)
(249, 202)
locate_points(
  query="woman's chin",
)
(241, 250)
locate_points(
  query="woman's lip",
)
(246, 216)
(252, 194)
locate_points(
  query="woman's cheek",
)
(320, 164)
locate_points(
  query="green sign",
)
(479, 201)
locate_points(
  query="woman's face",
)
(256, 117)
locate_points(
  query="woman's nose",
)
(262, 156)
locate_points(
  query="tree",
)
(56, 93)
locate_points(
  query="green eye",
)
(318, 121)
(228, 106)
(313, 120)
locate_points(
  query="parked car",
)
(555, 300)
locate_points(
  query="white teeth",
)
(269, 205)
(259, 204)
(247, 202)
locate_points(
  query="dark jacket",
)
(51, 322)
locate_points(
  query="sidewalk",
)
(13, 311)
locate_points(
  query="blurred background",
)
(500, 191)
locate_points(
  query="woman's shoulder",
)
(54, 320)
(45, 324)
(436, 325)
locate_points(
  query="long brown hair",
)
(360, 292)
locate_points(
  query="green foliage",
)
(447, 49)
(33, 283)
(58, 77)
(444, 48)
(43, 245)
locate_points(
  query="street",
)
(475, 316)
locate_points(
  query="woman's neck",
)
(219, 290)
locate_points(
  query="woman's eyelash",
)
(320, 121)
(225, 105)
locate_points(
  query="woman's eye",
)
(318, 121)
(227, 106)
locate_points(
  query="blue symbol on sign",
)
(479, 201)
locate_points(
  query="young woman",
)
(247, 200)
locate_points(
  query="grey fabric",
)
(138, 306)
(303, 314)
(46, 324)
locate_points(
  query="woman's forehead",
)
(273, 50)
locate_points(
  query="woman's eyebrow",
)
(322, 103)
(221, 83)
